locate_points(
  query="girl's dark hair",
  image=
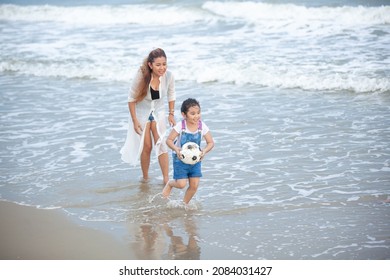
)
(143, 84)
(188, 103)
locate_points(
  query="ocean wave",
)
(278, 77)
(255, 12)
(65, 69)
(149, 14)
(238, 75)
(270, 45)
(106, 14)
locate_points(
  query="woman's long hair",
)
(143, 83)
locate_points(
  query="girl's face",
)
(158, 66)
(193, 115)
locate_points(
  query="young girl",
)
(190, 129)
(152, 86)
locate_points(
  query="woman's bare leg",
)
(145, 154)
(163, 159)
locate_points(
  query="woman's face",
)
(158, 66)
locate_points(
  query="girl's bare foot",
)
(167, 190)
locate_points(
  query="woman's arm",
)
(171, 116)
(171, 99)
(136, 124)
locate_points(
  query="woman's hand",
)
(137, 127)
(171, 120)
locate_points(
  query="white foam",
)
(280, 46)
(179, 204)
(278, 14)
(79, 152)
(100, 15)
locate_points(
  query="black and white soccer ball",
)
(190, 153)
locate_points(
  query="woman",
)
(152, 85)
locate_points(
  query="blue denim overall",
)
(182, 170)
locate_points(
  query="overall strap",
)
(183, 124)
(200, 126)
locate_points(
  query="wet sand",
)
(28, 233)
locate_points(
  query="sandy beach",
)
(28, 233)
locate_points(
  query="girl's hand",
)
(137, 127)
(202, 154)
(178, 153)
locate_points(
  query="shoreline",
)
(28, 233)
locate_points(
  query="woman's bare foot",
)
(144, 180)
(167, 190)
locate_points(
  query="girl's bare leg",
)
(163, 160)
(193, 187)
(173, 184)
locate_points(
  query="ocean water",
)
(296, 94)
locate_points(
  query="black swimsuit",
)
(155, 94)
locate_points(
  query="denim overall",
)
(182, 170)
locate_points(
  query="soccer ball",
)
(190, 153)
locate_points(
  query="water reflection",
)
(180, 250)
(161, 232)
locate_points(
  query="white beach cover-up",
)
(133, 146)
